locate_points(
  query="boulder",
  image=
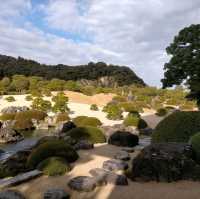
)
(128, 150)
(8, 124)
(103, 176)
(146, 131)
(123, 138)
(67, 126)
(165, 162)
(8, 135)
(115, 165)
(11, 194)
(83, 145)
(56, 194)
(122, 155)
(82, 183)
(14, 109)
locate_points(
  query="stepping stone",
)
(115, 165)
(105, 176)
(56, 194)
(11, 194)
(122, 155)
(128, 150)
(82, 183)
(20, 178)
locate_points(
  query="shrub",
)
(49, 149)
(29, 98)
(131, 120)
(195, 142)
(36, 93)
(161, 112)
(54, 166)
(129, 107)
(61, 117)
(30, 114)
(41, 105)
(60, 103)
(119, 98)
(25, 124)
(7, 116)
(10, 99)
(114, 112)
(177, 127)
(87, 121)
(89, 133)
(94, 107)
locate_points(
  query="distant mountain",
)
(119, 75)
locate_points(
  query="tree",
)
(60, 103)
(41, 105)
(184, 65)
(20, 83)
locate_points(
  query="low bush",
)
(54, 166)
(177, 127)
(25, 124)
(119, 98)
(89, 133)
(131, 120)
(41, 104)
(195, 142)
(61, 117)
(7, 116)
(30, 114)
(87, 121)
(113, 111)
(29, 98)
(129, 107)
(10, 99)
(94, 107)
(49, 149)
(161, 112)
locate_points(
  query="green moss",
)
(92, 134)
(54, 166)
(177, 127)
(49, 149)
(87, 121)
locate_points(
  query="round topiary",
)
(123, 138)
(177, 127)
(61, 117)
(49, 149)
(94, 107)
(92, 134)
(54, 166)
(10, 99)
(161, 112)
(195, 142)
(87, 121)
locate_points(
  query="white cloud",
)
(127, 32)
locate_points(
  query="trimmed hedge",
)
(113, 111)
(49, 149)
(25, 124)
(7, 116)
(61, 117)
(195, 142)
(87, 121)
(89, 133)
(161, 112)
(10, 99)
(29, 98)
(54, 166)
(30, 114)
(177, 127)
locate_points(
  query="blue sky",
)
(134, 33)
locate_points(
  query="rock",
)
(11, 194)
(146, 131)
(8, 124)
(128, 150)
(67, 126)
(14, 109)
(122, 155)
(50, 120)
(115, 165)
(42, 125)
(56, 194)
(165, 162)
(82, 183)
(123, 138)
(20, 179)
(9, 135)
(105, 176)
(83, 145)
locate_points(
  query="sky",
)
(132, 33)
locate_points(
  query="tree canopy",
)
(184, 65)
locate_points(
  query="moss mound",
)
(54, 166)
(177, 127)
(89, 133)
(86, 121)
(162, 112)
(61, 117)
(195, 142)
(49, 149)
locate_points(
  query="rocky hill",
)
(101, 73)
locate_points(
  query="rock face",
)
(11, 194)
(165, 162)
(56, 194)
(84, 145)
(14, 109)
(123, 138)
(122, 155)
(82, 183)
(115, 165)
(103, 176)
(9, 135)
